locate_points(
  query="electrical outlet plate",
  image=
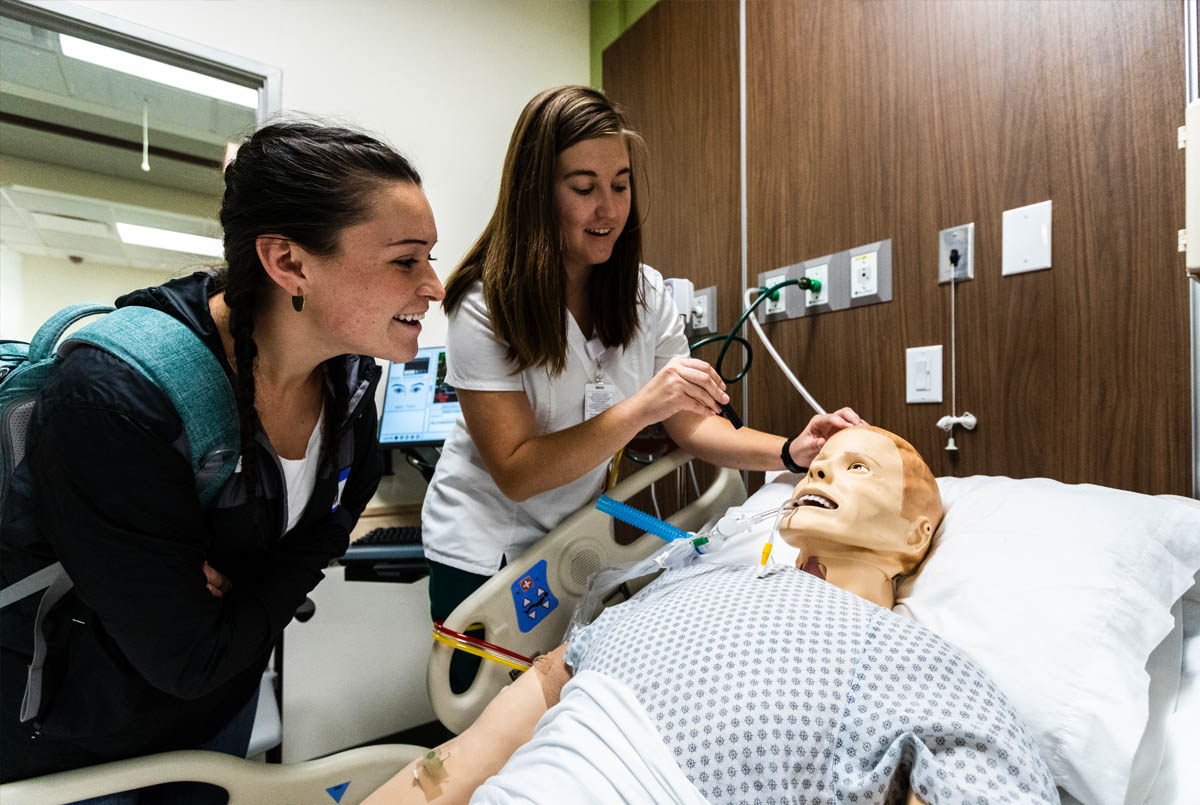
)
(963, 239)
(704, 312)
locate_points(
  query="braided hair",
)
(306, 182)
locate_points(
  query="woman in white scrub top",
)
(562, 347)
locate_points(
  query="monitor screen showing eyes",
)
(419, 407)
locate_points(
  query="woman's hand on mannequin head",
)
(684, 384)
(810, 441)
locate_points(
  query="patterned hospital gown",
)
(787, 689)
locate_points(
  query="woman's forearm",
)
(713, 439)
(552, 460)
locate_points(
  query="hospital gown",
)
(788, 689)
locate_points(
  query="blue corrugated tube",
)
(637, 519)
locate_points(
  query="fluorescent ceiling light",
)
(157, 71)
(71, 224)
(166, 239)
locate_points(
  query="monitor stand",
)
(423, 459)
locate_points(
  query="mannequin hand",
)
(810, 441)
(684, 384)
(216, 583)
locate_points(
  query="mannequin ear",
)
(921, 533)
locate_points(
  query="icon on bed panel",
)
(532, 597)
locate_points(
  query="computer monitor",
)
(419, 407)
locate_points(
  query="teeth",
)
(598, 231)
(817, 500)
(409, 317)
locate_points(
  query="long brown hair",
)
(519, 256)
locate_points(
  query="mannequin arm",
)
(478, 753)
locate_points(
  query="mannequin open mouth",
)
(814, 499)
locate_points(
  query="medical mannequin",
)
(865, 513)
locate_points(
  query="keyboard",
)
(392, 535)
(392, 553)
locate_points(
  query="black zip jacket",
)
(141, 657)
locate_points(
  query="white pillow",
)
(1061, 593)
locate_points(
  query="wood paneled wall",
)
(873, 119)
(675, 74)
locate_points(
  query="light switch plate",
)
(923, 374)
(1026, 239)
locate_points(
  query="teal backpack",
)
(168, 354)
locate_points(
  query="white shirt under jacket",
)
(466, 521)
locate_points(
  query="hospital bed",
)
(1082, 602)
(979, 589)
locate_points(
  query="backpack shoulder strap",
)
(46, 338)
(169, 354)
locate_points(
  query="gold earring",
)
(298, 302)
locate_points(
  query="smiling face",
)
(592, 196)
(370, 295)
(852, 503)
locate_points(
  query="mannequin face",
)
(850, 504)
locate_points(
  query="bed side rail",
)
(556, 571)
(347, 777)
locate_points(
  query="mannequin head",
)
(869, 503)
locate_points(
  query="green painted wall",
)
(610, 19)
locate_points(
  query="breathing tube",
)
(729, 338)
(682, 549)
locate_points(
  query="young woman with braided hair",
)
(162, 641)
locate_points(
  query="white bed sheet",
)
(596, 746)
(1177, 780)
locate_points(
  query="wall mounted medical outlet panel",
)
(961, 238)
(871, 273)
(1026, 239)
(704, 311)
(837, 270)
(774, 309)
(834, 294)
(790, 303)
(819, 298)
(923, 374)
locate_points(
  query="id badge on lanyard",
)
(598, 396)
